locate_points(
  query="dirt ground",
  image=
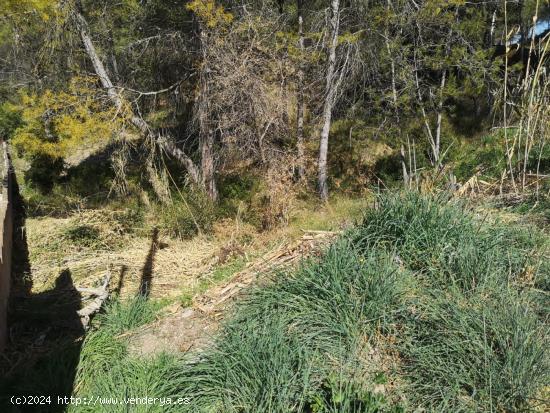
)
(184, 329)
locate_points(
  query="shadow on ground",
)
(145, 283)
(45, 332)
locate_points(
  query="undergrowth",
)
(285, 346)
(436, 297)
(97, 366)
(423, 306)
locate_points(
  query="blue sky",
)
(541, 27)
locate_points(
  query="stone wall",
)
(6, 226)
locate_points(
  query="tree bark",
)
(437, 145)
(435, 141)
(330, 97)
(404, 167)
(165, 142)
(392, 63)
(206, 133)
(300, 95)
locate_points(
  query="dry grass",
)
(175, 263)
(90, 242)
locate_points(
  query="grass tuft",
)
(423, 285)
(287, 341)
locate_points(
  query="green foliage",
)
(226, 271)
(100, 351)
(43, 172)
(51, 375)
(471, 335)
(485, 155)
(469, 352)
(186, 299)
(96, 365)
(134, 378)
(44, 8)
(106, 370)
(189, 213)
(84, 235)
(121, 316)
(237, 190)
(446, 244)
(220, 274)
(50, 187)
(10, 120)
(132, 218)
(56, 124)
(340, 395)
(209, 13)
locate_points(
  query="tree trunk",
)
(330, 97)
(493, 26)
(437, 145)
(404, 167)
(435, 141)
(392, 63)
(165, 142)
(300, 94)
(206, 133)
(99, 68)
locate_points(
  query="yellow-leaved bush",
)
(209, 13)
(57, 124)
(15, 8)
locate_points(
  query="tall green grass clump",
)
(423, 295)
(101, 349)
(96, 365)
(107, 372)
(474, 353)
(285, 348)
(473, 337)
(445, 244)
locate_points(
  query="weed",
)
(186, 299)
(84, 235)
(189, 213)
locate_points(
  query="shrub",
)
(44, 172)
(10, 120)
(187, 214)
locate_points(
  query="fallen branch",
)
(284, 255)
(101, 294)
(315, 231)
